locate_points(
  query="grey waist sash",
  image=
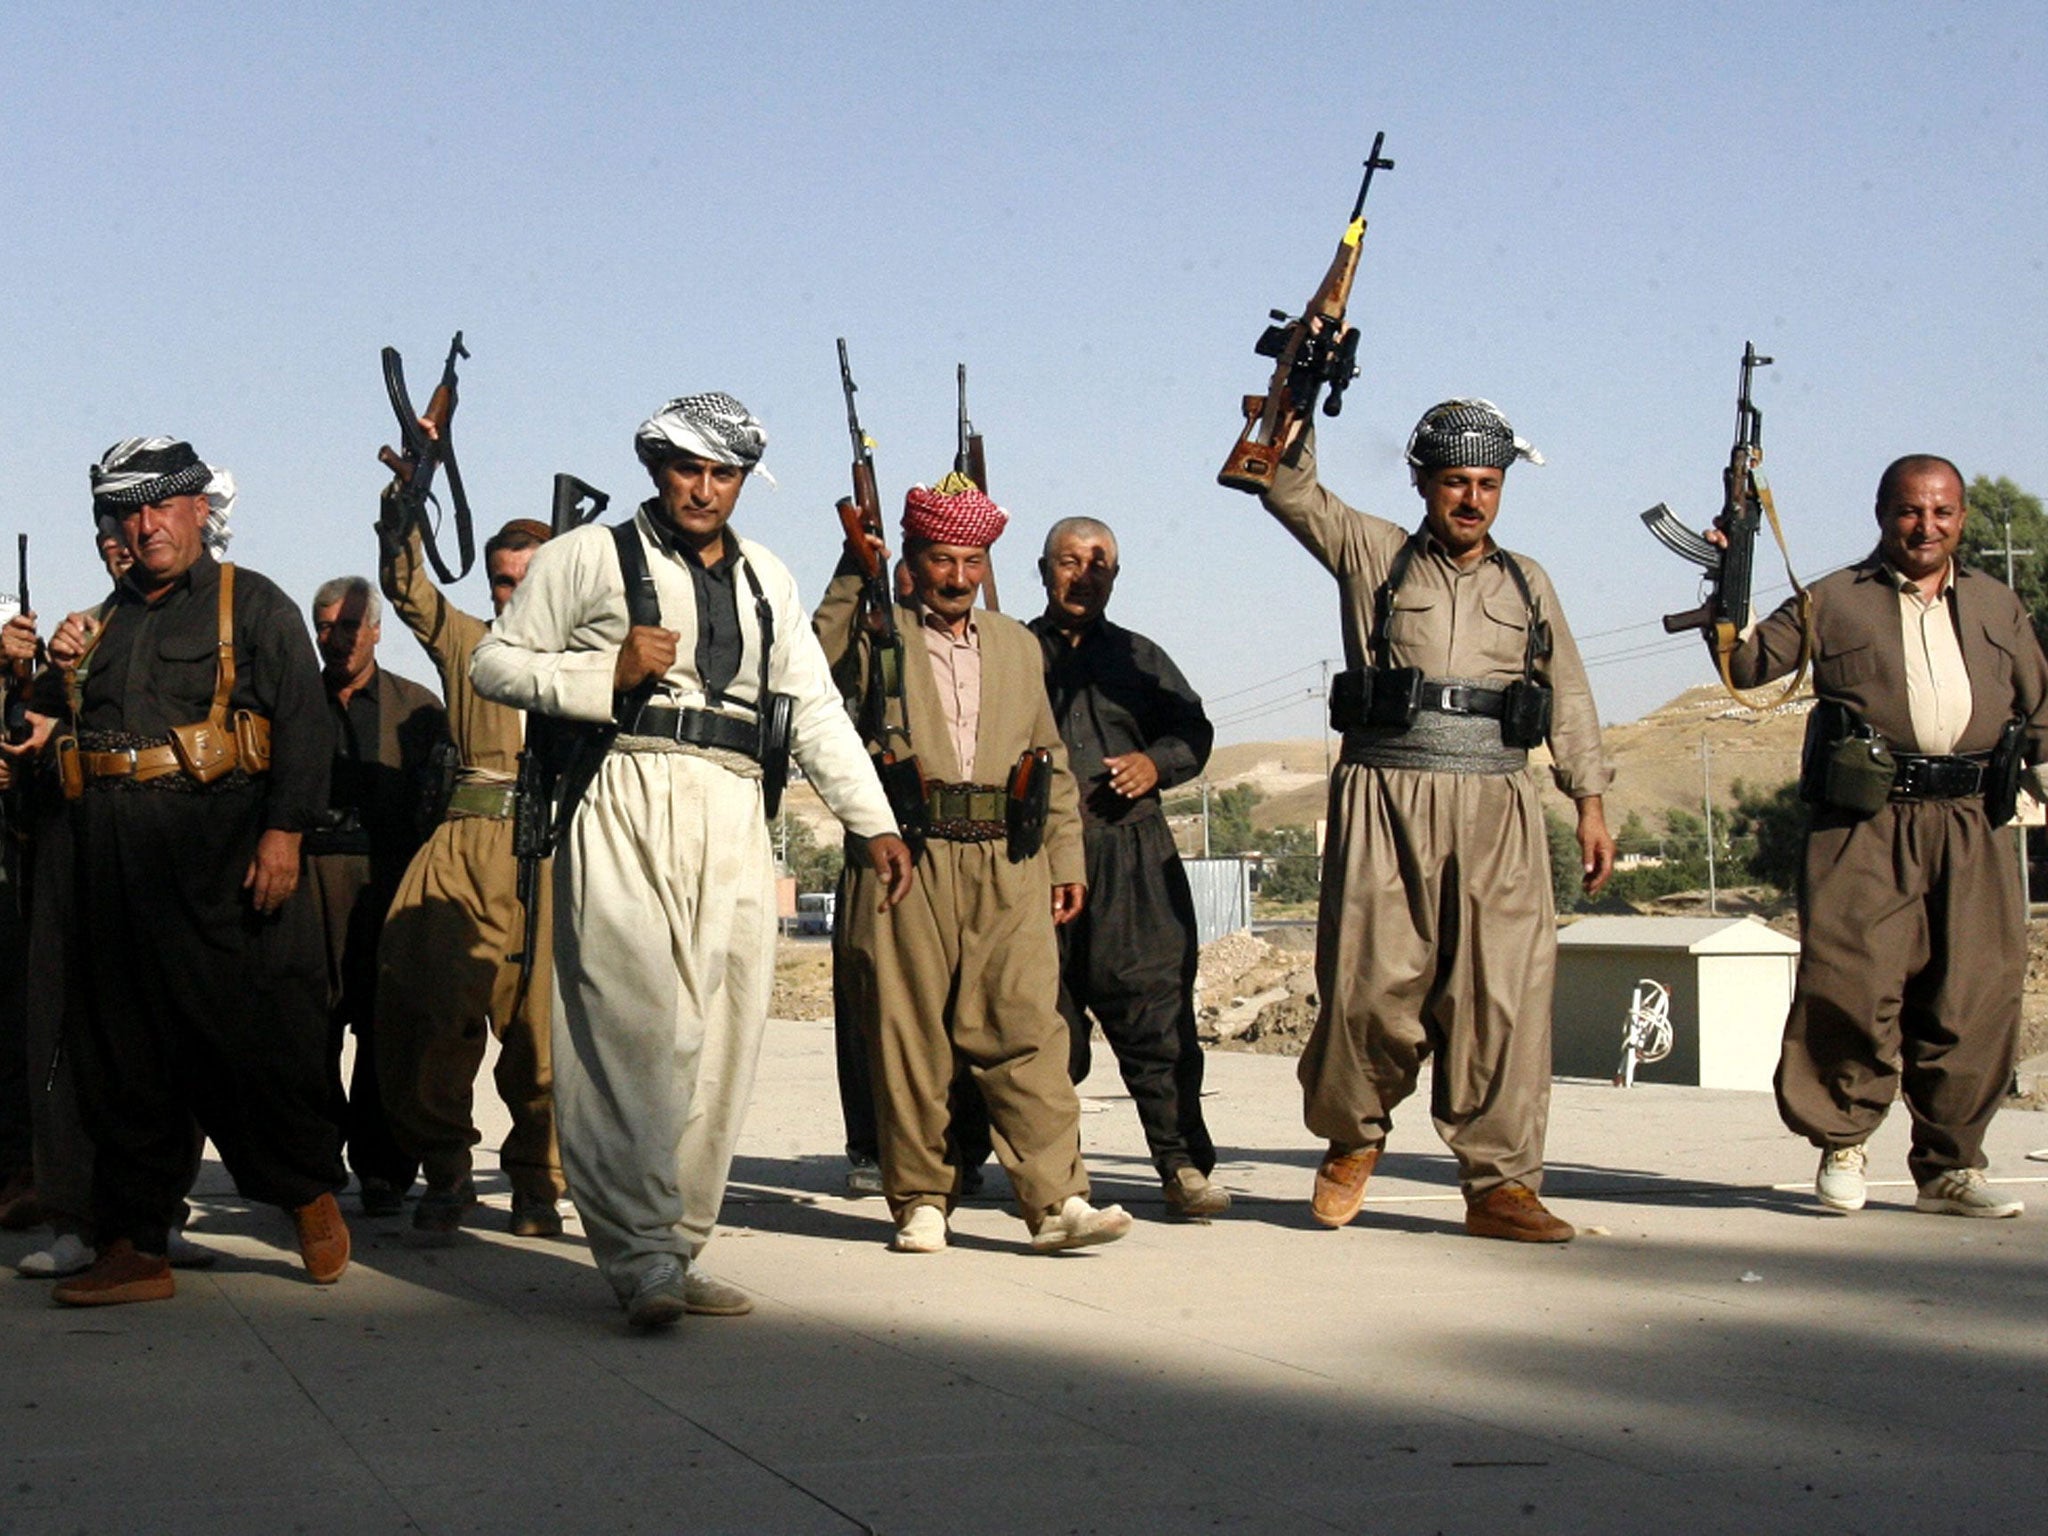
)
(1438, 743)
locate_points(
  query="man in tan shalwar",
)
(966, 969)
(1436, 931)
(446, 967)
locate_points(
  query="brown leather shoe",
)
(323, 1239)
(119, 1275)
(20, 1210)
(1340, 1185)
(1513, 1212)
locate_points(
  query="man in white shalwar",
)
(664, 894)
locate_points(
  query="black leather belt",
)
(1462, 699)
(1936, 778)
(698, 728)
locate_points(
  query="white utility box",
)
(1730, 980)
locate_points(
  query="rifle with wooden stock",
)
(971, 460)
(21, 673)
(1746, 501)
(860, 515)
(423, 454)
(1310, 350)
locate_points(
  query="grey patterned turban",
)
(139, 470)
(714, 427)
(1460, 433)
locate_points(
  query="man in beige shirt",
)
(1436, 934)
(1914, 942)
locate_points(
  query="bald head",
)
(1079, 569)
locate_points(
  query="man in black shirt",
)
(1132, 727)
(385, 731)
(197, 766)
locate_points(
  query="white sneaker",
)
(69, 1255)
(659, 1300)
(923, 1231)
(1080, 1225)
(1839, 1183)
(1964, 1192)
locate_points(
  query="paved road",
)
(1716, 1354)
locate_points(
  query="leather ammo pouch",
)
(1383, 697)
(1525, 714)
(2002, 773)
(903, 784)
(205, 749)
(1030, 798)
(777, 711)
(70, 771)
(1845, 764)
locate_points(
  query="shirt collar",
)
(937, 625)
(1898, 582)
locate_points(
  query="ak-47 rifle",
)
(971, 460)
(1745, 502)
(423, 455)
(557, 758)
(1310, 350)
(20, 673)
(861, 516)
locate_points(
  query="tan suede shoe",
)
(323, 1240)
(120, 1274)
(1512, 1212)
(1340, 1185)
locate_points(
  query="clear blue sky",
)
(215, 216)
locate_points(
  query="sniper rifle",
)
(1310, 350)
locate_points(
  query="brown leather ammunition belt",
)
(138, 763)
(491, 802)
(967, 813)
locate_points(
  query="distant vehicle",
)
(815, 911)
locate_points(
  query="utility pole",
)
(2019, 832)
(1326, 713)
(1707, 804)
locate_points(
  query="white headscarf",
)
(714, 427)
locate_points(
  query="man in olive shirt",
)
(1436, 933)
(1914, 944)
(1133, 727)
(188, 860)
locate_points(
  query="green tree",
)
(1566, 878)
(1776, 820)
(1292, 869)
(1995, 505)
(815, 865)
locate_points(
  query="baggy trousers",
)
(1436, 935)
(965, 969)
(63, 1150)
(1913, 957)
(351, 908)
(1129, 960)
(445, 976)
(664, 960)
(197, 1009)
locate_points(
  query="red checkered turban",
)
(955, 511)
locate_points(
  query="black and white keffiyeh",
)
(712, 426)
(139, 470)
(1465, 433)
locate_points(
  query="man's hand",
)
(1133, 775)
(892, 860)
(1596, 845)
(648, 652)
(73, 636)
(31, 745)
(1067, 902)
(274, 873)
(18, 638)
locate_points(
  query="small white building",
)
(1730, 980)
